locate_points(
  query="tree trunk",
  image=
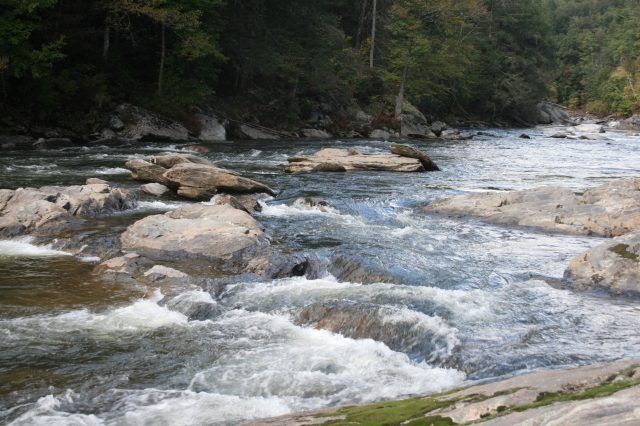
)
(400, 97)
(361, 22)
(106, 42)
(373, 32)
(162, 55)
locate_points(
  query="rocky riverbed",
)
(230, 290)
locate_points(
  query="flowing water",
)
(463, 300)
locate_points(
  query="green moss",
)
(622, 250)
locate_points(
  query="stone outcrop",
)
(548, 113)
(135, 123)
(247, 131)
(609, 210)
(316, 134)
(230, 240)
(210, 129)
(51, 208)
(342, 160)
(193, 177)
(613, 266)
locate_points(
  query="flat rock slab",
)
(609, 210)
(613, 266)
(227, 237)
(342, 160)
(27, 210)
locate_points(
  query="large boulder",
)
(193, 177)
(613, 266)
(52, 208)
(230, 240)
(342, 160)
(247, 131)
(552, 114)
(316, 134)
(411, 152)
(210, 129)
(202, 181)
(609, 210)
(632, 123)
(134, 123)
(587, 128)
(380, 134)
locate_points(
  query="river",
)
(468, 301)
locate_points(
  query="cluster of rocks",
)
(191, 177)
(610, 210)
(402, 158)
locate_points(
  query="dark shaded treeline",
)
(279, 61)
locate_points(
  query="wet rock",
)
(96, 181)
(314, 203)
(134, 123)
(525, 136)
(170, 159)
(560, 135)
(8, 142)
(197, 148)
(438, 127)
(247, 202)
(160, 272)
(195, 306)
(380, 134)
(609, 210)
(350, 270)
(411, 152)
(632, 123)
(211, 129)
(202, 181)
(246, 131)
(155, 189)
(126, 265)
(228, 238)
(53, 143)
(384, 324)
(145, 171)
(455, 135)
(27, 210)
(316, 134)
(587, 128)
(613, 266)
(334, 159)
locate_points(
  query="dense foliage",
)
(286, 59)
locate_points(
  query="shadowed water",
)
(464, 300)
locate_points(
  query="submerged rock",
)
(28, 210)
(613, 266)
(339, 160)
(609, 210)
(230, 239)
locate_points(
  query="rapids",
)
(467, 301)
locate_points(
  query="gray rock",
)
(160, 272)
(16, 142)
(587, 128)
(140, 124)
(228, 238)
(202, 181)
(170, 159)
(96, 181)
(613, 266)
(211, 129)
(155, 189)
(145, 171)
(339, 160)
(609, 210)
(246, 131)
(316, 134)
(550, 113)
(380, 134)
(411, 152)
(438, 127)
(632, 123)
(51, 209)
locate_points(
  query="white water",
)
(24, 247)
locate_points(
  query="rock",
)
(560, 135)
(334, 159)
(52, 143)
(116, 123)
(168, 160)
(362, 117)
(316, 134)
(587, 128)
(609, 210)
(416, 131)
(16, 142)
(139, 124)
(525, 136)
(455, 135)
(613, 266)
(550, 113)
(380, 323)
(108, 134)
(126, 265)
(197, 148)
(350, 270)
(246, 131)
(230, 240)
(438, 127)
(210, 128)
(247, 202)
(411, 152)
(50, 209)
(145, 171)
(632, 123)
(380, 134)
(196, 306)
(96, 181)
(202, 181)
(159, 272)
(155, 189)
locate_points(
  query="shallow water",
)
(469, 301)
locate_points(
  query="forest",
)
(278, 61)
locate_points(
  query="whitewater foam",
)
(24, 247)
